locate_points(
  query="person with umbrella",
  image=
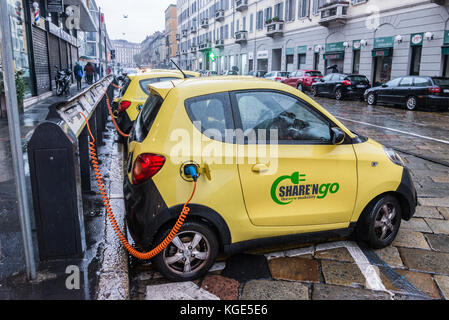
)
(90, 71)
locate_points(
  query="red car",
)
(303, 79)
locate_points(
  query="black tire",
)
(338, 94)
(59, 89)
(372, 227)
(371, 99)
(411, 103)
(300, 87)
(314, 91)
(207, 247)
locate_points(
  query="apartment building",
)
(380, 39)
(171, 28)
(125, 52)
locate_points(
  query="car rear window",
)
(144, 83)
(314, 74)
(358, 78)
(283, 74)
(441, 81)
(147, 116)
(422, 82)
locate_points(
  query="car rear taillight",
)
(278, 79)
(346, 82)
(124, 105)
(146, 166)
(434, 90)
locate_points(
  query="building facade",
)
(153, 51)
(171, 28)
(377, 38)
(125, 52)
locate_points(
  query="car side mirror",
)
(321, 80)
(337, 136)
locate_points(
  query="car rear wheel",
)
(191, 253)
(338, 94)
(371, 99)
(411, 103)
(380, 221)
(314, 91)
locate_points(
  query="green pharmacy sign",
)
(335, 47)
(384, 42)
(446, 37)
(302, 49)
(416, 39)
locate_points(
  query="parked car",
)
(299, 195)
(210, 73)
(413, 92)
(340, 86)
(278, 76)
(230, 73)
(303, 79)
(257, 74)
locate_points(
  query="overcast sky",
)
(144, 17)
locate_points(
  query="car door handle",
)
(260, 168)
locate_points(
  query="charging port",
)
(190, 171)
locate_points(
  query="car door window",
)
(422, 82)
(406, 82)
(292, 119)
(211, 114)
(327, 78)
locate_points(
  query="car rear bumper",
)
(124, 122)
(355, 93)
(437, 101)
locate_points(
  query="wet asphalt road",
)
(416, 266)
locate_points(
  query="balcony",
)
(205, 46)
(219, 15)
(241, 5)
(184, 51)
(193, 49)
(205, 23)
(334, 11)
(192, 29)
(184, 33)
(241, 37)
(275, 28)
(178, 37)
(219, 43)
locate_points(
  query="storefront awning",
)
(87, 23)
(334, 55)
(445, 51)
(381, 53)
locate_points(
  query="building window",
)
(259, 21)
(251, 22)
(268, 12)
(356, 62)
(290, 10)
(244, 23)
(316, 60)
(416, 60)
(279, 10)
(302, 60)
(303, 8)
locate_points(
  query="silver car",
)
(277, 75)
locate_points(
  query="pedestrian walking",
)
(97, 72)
(90, 71)
(78, 71)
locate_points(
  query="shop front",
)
(334, 57)
(356, 48)
(262, 60)
(382, 59)
(445, 54)
(289, 59)
(302, 54)
(416, 42)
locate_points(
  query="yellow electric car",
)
(272, 166)
(135, 92)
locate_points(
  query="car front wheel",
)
(191, 253)
(338, 94)
(371, 99)
(300, 87)
(380, 221)
(314, 91)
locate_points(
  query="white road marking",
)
(396, 130)
(178, 291)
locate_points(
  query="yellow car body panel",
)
(243, 198)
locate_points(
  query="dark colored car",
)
(412, 92)
(257, 74)
(340, 86)
(303, 79)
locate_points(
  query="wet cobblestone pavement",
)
(416, 266)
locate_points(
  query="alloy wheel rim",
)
(411, 103)
(371, 99)
(187, 253)
(385, 221)
(338, 94)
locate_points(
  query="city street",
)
(416, 266)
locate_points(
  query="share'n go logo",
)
(297, 189)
